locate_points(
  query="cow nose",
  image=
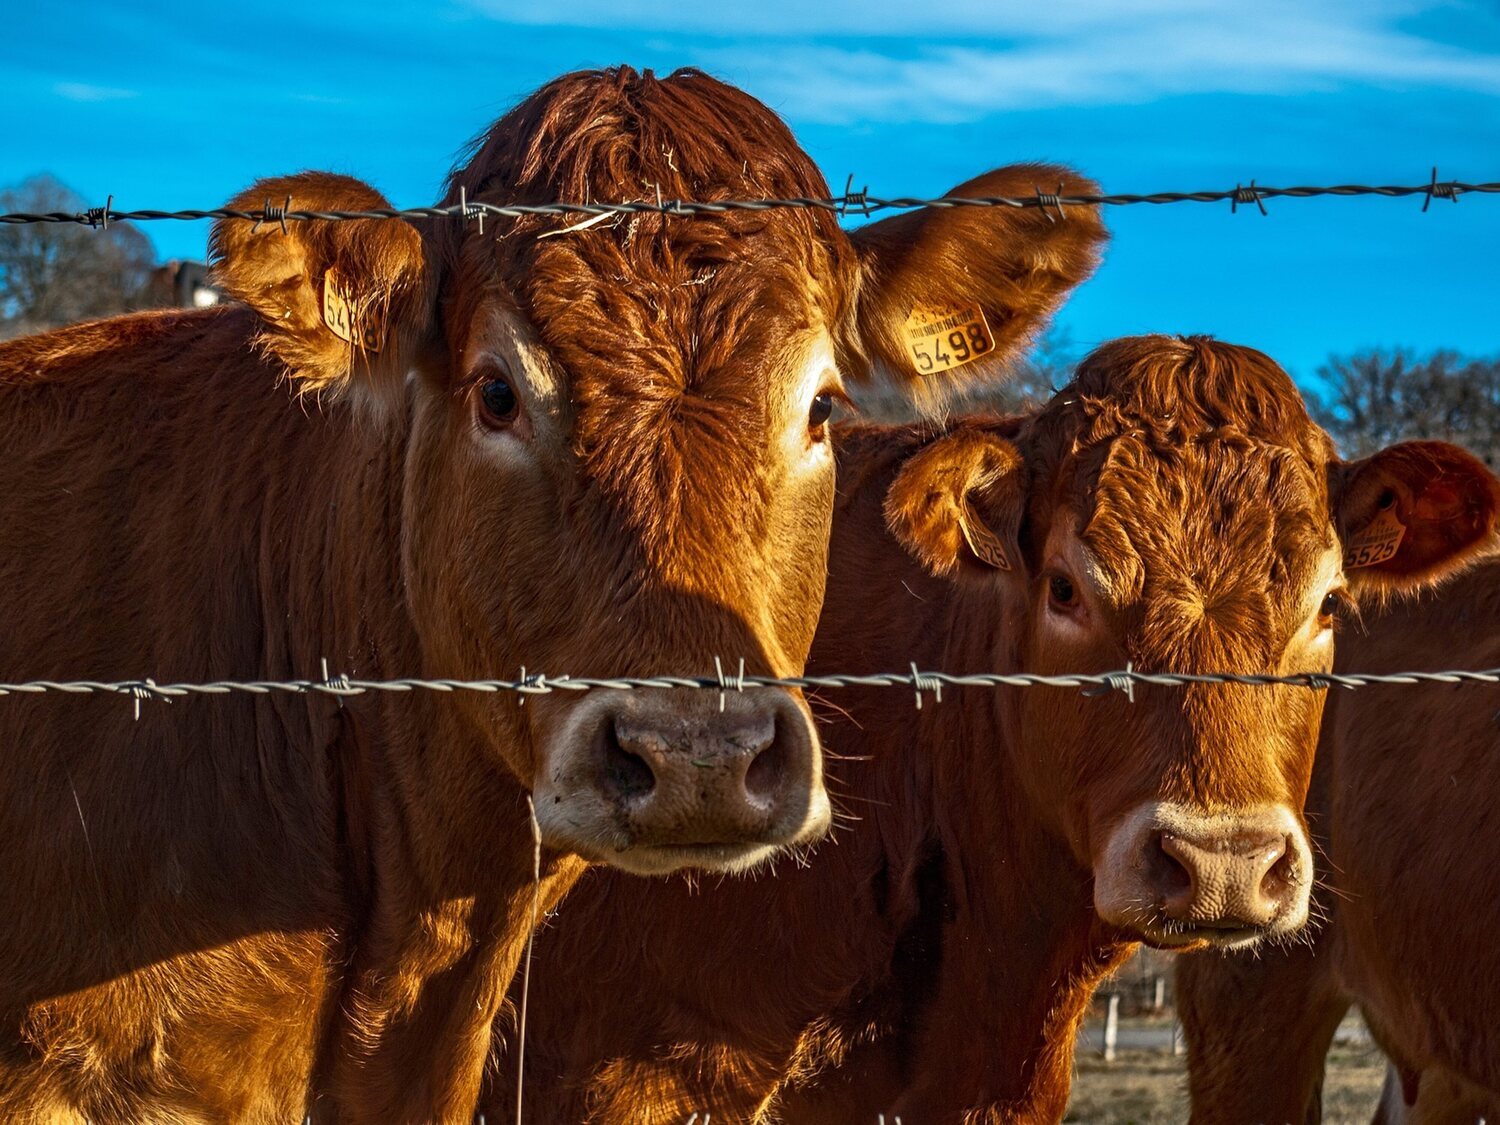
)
(739, 762)
(1176, 874)
(1232, 879)
(653, 781)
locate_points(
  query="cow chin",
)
(665, 859)
(653, 782)
(1179, 878)
(609, 844)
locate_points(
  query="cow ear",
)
(342, 304)
(1412, 514)
(958, 502)
(951, 296)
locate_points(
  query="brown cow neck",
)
(323, 886)
(1022, 950)
(436, 831)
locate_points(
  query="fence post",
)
(1111, 1026)
(1159, 994)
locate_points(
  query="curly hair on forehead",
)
(632, 293)
(1197, 474)
(1175, 389)
(1168, 393)
(606, 130)
(618, 134)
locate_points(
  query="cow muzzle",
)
(1178, 877)
(653, 781)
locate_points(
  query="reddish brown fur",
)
(252, 908)
(615, 1032)
(935, 960)
(1405, 776)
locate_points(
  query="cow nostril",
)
(1281, 877)
(1169, 875)
(627, 774)
(768, 769)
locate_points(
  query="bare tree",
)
(1373, 398)
(57, 273)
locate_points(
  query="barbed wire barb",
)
(860, 198)
(98, 217)
(1116, 681)
(1049, 202)
(1441, 191)
(1250, 194)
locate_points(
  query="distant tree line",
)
(1373, 398)
(57, 273)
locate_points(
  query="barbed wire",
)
(1097, 683)
(860, 202)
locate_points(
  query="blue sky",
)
(176, 105)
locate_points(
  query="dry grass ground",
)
(1143, 1086)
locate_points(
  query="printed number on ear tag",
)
(940, 337)
(1376, 543)
(983, 542)
(340, 316)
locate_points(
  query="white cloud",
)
(86, 92)
(850, 18)
(879, 59)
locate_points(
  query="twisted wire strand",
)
(921, 681)
(859, 202)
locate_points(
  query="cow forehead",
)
(683, 468)
(602, 135)
(679, 295)
(650, 317)
(1209, 551)
(1194, 470)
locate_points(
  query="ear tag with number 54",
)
(940, 337)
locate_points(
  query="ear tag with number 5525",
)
(1376, 543)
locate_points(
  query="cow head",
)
(1175, 509)
(615, 432)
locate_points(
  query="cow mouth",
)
(1177, 877)
(1227, 934)
(663, 859)
(610, 840)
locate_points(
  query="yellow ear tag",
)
(982, 541)
(1376, 543)
(339, 314)
(940, 337)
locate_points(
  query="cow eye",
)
(1061, 592)
(1333, 605)
(821, 411)
(499, 398)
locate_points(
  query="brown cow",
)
(1404, 796)
(601, 453)
(1175, 508)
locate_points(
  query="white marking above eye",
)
(502, 338)
(817, 373)
(1328, 579)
